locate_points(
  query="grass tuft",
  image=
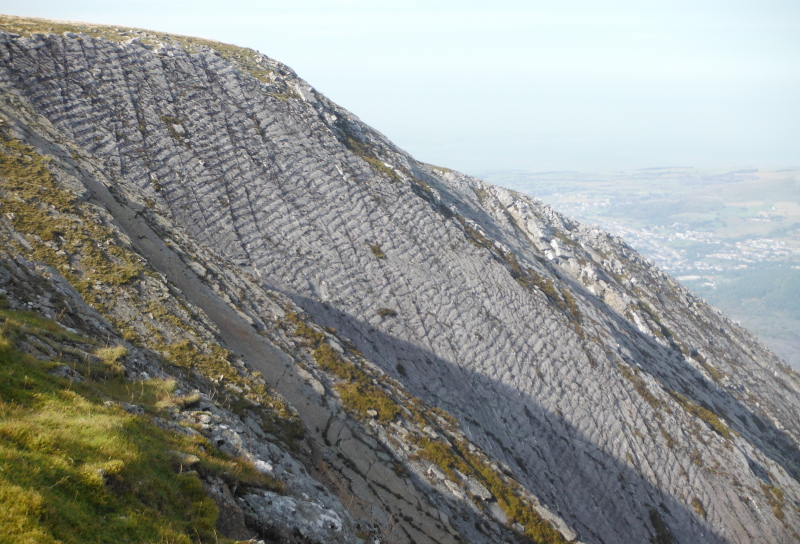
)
(705, 414)
(77, 470)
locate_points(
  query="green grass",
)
(245, 58)
(62, 232)
(214, 363)
(775, 499)
(705, 414)
(361, 398)
(352, 142)
(19, 322)
(27, 26)
(104, 365)
(76, 469)
(458, 458)
(632, 375)
(355, 387)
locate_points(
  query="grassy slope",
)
(76, 468)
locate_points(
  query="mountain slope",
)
(498, 363)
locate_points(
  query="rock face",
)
(452, 348)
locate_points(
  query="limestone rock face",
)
(617, 404)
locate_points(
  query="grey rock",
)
(64, 371)
(561, 353)
(132, 408)
(292, 517)
(475, 488)
(231, 520)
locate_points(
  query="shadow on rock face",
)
(609, 479)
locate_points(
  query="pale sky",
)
(534, 85)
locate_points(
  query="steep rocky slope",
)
(466, 363)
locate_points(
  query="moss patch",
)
(457, 458)
(359, 394)
(63, 233)
(703, 413)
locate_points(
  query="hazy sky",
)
(480, 85)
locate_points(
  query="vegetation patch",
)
(17, 324)
(68, 236)
(356, 388)
(632, 375)
(663, 331)
(362, 398)
(671, 442)
(697, 504)
(246, 59)
(715, 373)
(572, 310)
(105, 365)
(377, 251)
(27, 26)
(705, 414)
(457, 458)
(482, 194)
(213, 362)
(663, 534)
(81, 249)
(474, 236)
(79, 469)
(696, 457)
(775, 499)
(352, 142)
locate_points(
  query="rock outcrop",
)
(466, 363)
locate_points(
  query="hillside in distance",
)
(333, 341)
(731, 236)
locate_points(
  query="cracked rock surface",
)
(626, 408)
